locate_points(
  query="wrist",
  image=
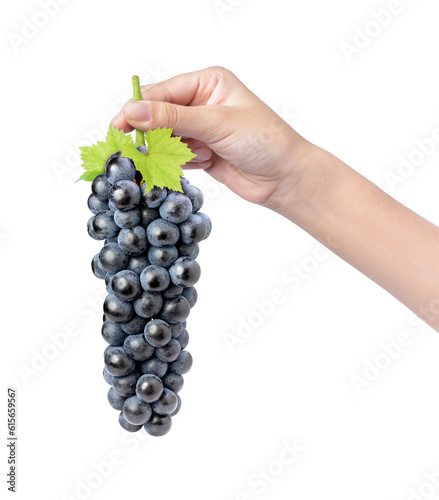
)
(309, 176)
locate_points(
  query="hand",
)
(237, 138)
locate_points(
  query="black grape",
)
(117, 362)
(185, 272)
(158, 425)
(126, 285)
(118, 310)
(155, 197)
(119, 168)
(193, 230)
(113, 258)
(124, 195)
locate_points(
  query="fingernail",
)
(202, 154)
(116, 117)
(137, 111)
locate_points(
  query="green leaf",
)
(161, 166)
(89, 175)
(94, 157)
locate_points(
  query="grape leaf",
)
(94, 157)
(161, 166)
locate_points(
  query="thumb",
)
(205, 123)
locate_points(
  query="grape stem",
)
(137, 95)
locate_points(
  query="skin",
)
(244, 144)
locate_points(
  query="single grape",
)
(119, 168)
(100, 187)
(142, 149)
(137, 263)
(166, 404)
(190, 250)
(91, 231)
(185, 272)
(182, 364)
(157, 332)
(116, 400)
(107, 376)
(136, 411)
(148, 215)
(193, 230)
(162, 256)
(154, 366)
(158, 425)
(208, 223)
(172, 291)
(134, 326)
(169, 352)
(126, 285)
(104, 225)
(117, 310)
(95, 205)
(127, 218)
(137, 347)
(117, 362)
(148, 304)
(176, 208)
(195, 195)
(154, 279)
(175, 310)
(113, 333)
(97, 268)
(183, 339)
(133, 240)
(173, 381)
(184, 182)
(124, 195)
(149, 388)
(176, 330)
(178, 407)
(162, 233)
(126, 385)
(155, 197)
(113, 258)
(127, 426)
(191, 295)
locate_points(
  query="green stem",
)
(137, 94)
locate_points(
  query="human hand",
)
(237, 138)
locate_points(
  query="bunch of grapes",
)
(149, 267)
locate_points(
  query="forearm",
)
(380, 237)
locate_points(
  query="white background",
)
(291, 378)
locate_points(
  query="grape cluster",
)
(148, 264)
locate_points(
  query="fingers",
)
(214, 85)
(208, 124)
